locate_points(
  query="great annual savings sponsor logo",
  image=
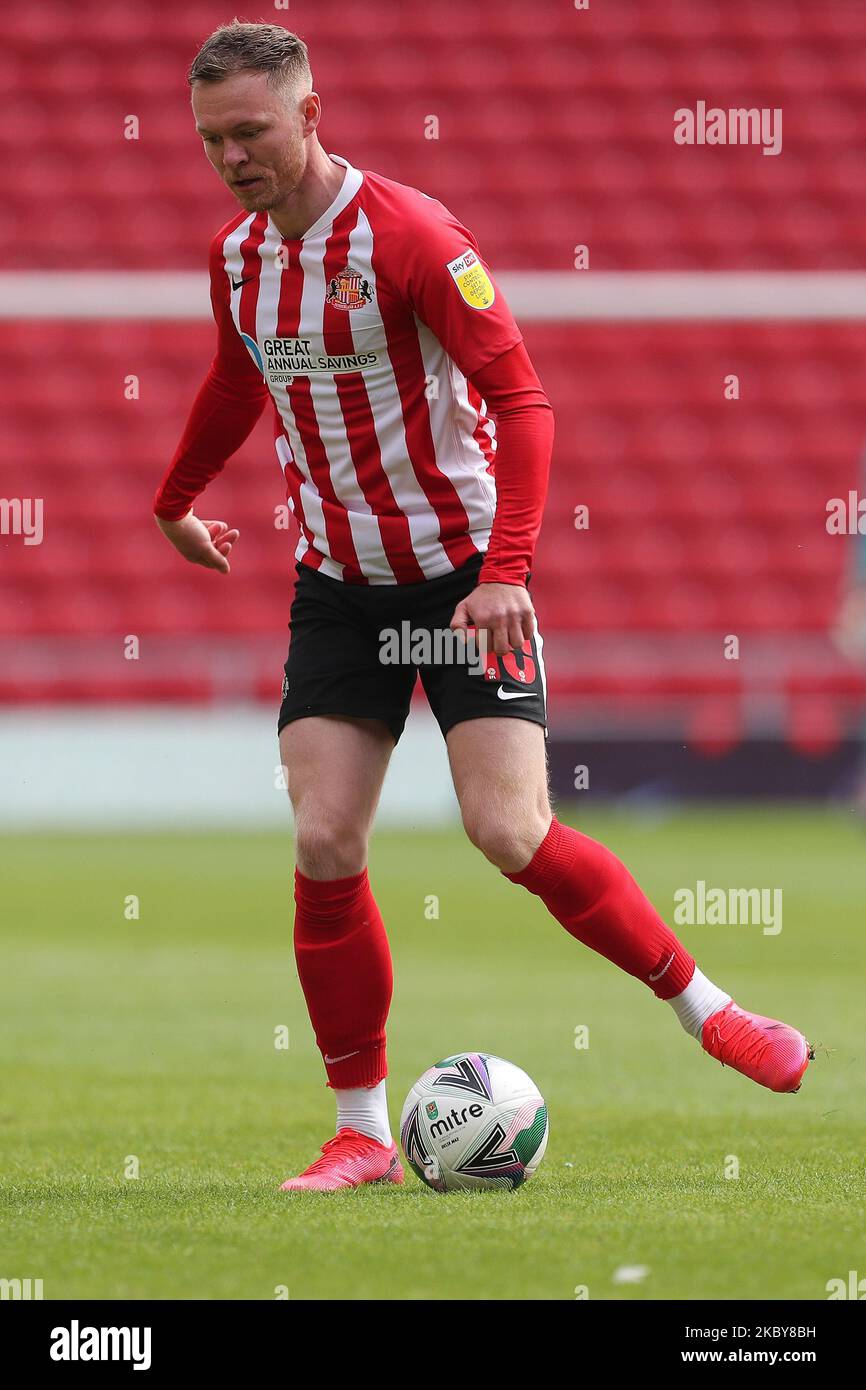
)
(281, 359)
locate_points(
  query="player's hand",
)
(205, 543)
(504, 611)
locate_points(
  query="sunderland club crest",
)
(349, 290)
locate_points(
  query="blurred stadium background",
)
(145, 974)
(555, 131)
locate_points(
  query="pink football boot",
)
(771, 1053)
(348, 1160)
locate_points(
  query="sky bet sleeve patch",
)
(472, 280)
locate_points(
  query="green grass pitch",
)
(153, 1040)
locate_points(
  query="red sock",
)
(344, 964)
(594, 896)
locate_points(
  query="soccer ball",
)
(474, 1121)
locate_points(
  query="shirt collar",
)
(345, 193)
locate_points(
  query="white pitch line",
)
(104, 294)
(542, 296)
(650, 295)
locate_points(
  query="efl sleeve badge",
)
(472, 280)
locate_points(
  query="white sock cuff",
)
(699, 1001)
(364, 1108)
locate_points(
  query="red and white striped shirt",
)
(366, 332)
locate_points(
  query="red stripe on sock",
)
(593, 895)
(344, 964)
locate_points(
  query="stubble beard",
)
(279, 186)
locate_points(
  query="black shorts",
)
(349, 644)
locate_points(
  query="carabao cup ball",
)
(474, 1121)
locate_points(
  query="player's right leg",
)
(335, 767)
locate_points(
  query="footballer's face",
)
(255, 135)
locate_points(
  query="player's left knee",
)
(507, 843)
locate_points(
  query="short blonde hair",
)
(241, 47)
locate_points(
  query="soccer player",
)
(397, 375)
